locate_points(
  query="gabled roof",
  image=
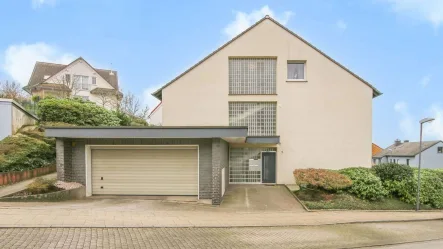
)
(158, 93)
(407, 149)
(376, 149)
(41, 69)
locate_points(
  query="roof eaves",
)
(375, 91)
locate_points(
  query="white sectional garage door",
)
(145, 171)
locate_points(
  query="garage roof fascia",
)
(147, 132)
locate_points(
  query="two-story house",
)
(263, 104)
(408, 153)
(76, 79)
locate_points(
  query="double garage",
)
(144, 170)
(155, 161)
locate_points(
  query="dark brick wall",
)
(71, 164)
(220, 160)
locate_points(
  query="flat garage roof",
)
(147, 132)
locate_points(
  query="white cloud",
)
(150, 100)
(341, 25)
(245, 20)
(40, 3)
(425, 80)
(434, 130)
(406, 121)
(425, 10)
(19, 59)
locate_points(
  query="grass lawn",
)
(317, 199)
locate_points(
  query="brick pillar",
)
(63, 159)
(60, 159)
(216, 171)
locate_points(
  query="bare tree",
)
(12, 90)
(108, 97)
(69, 85)
(132, 105)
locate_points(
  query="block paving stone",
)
(325, 236)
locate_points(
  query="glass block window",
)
(252, 75)
(259, 117)
(242, 167)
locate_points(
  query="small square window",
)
(296, 71)
(440, 150)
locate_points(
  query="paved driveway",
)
(254, 197)
(335, 236)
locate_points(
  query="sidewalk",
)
(148, 213)
(19, 186)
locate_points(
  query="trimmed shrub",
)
(393, 171)
(20, 152)
(365, 184)
(76, 111)
(41, 185)
(321, 178)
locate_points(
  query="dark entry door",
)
(268, 167)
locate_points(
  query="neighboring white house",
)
(155, 117)
(14, 117)
(78, 78)
(407, 153)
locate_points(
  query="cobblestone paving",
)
(327, 236)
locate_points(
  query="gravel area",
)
(67, 185)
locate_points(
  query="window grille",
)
(239, 168)
(259, 117)
(252, 75)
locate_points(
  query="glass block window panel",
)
(296, 71)
(252, 76)
(245, 164)
(259, 117)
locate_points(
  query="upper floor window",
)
(94, 80)
(82, 82)
(259, 117)
(296, 70)
(252, 75)
(439, 149)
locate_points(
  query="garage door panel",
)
(145, 171)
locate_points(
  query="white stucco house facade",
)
(76, 79)
(408, 152)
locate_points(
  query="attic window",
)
(439, 150)
(46, 77)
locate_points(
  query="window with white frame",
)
(439, 150)
(252, 75)
(259, 117)
(81, 82)
(296, 70)
(94, 80)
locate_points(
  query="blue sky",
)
(396, 45)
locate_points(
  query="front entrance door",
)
(268, 167)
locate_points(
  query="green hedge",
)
(393, 171)
(76, 111)
(20, 152)
(365, 184)
(431, 190)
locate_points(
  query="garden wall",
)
(18, 176)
